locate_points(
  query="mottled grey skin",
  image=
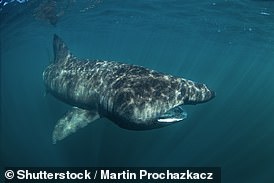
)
(131, 96)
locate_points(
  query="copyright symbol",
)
(9, 174)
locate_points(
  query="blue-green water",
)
(229, 45)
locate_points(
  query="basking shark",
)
(133, 97)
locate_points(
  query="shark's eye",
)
(175, 114)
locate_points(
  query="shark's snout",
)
(198, 93)
(213, 94)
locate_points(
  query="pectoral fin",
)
(73, 120)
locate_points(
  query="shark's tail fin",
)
(61, 51)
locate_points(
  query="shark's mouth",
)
(175, 114)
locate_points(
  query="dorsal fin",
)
(61, 51)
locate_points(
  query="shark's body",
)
(131, 96)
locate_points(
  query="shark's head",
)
(194, 93)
